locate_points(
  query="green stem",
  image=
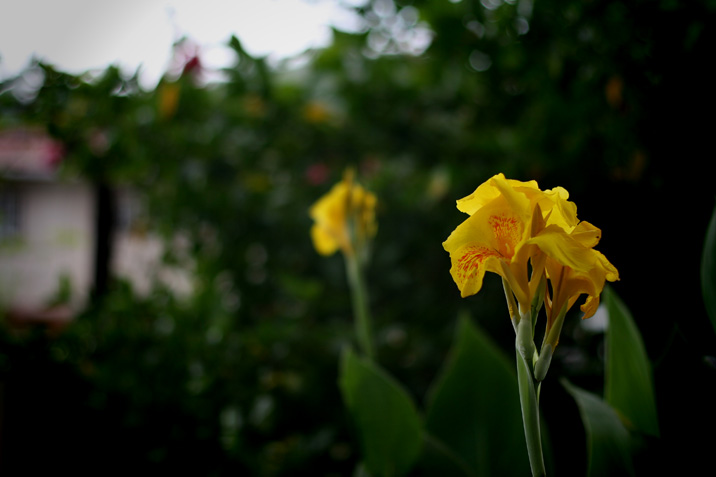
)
(511, 303)
(361, 313)
(549, 343)
(529, 403)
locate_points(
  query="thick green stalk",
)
(529, 401)
(361, 312)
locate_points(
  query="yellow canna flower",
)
(545, 256)
(515, 227)
(344, 218)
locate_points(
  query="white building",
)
(47, 235)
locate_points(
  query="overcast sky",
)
(81, 35)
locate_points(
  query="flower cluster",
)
(344, 219)
(530, 238)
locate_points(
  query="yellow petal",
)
(323, 241)
(569, 283)
(487, 241)
(490, 190)
(587, 234)
(560, 211)
(558, 245)
(468, 267)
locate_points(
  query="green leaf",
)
(474, 406)
(438, 459)
(708, 270)
(628, 384)
(384, 414)
(608, 441)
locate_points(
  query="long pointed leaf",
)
(628, 386)
(608, 451)
(384, 414)
(708, 270)
(474, 406)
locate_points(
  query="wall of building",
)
(53, 239)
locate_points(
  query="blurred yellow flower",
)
(254, 105)
(344, 218)
(168, 99)
(316, 112)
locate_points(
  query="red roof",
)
(29, 153)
